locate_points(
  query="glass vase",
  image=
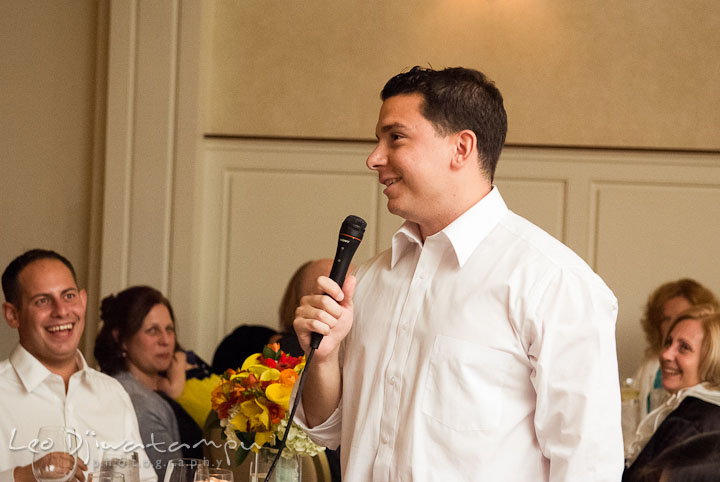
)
(286, 469)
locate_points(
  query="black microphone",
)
(351, 233)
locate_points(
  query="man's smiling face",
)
(51, 314)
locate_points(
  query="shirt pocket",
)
(465, 385)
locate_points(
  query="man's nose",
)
(376, 158)
(60, 308)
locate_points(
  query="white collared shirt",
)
(486, 353)
(95, 405)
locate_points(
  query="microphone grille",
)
(353, 226)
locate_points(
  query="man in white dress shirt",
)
(478, 347)
(46, 381)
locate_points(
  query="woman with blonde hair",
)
(662, 306)
(690, 366)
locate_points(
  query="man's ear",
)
(11, 314)
(465, 149)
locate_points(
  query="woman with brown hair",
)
(137, 346)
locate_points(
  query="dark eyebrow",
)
(394, 125)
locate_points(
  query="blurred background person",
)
(137, 345)
(243, 341)
(690, 365)
(301, 283)
(663, 305)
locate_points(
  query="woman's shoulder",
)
(695, 410)
(139, 393)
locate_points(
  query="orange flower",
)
(288, 377)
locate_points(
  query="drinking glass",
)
(286, 470)
(220, 475)
(186, 470)
(122, 462)
(55, 457)
(105, 476)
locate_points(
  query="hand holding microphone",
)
(351, 233)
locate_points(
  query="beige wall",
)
(581, 73)
(47, 93)
(270, 205)
(627, 74)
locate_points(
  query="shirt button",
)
(392, 381)
(385, 439)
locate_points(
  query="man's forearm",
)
(322, 389)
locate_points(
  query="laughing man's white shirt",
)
(486, 353)
(95, 405)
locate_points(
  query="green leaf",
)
(270, 353)
(212, 421)
(240, 455)
(247, 439)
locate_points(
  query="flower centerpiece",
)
(252, 404)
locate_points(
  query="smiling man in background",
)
(46, 381)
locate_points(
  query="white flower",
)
(298, 442)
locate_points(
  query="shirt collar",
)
(464, 234)
(31, 372)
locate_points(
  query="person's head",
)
(439, 134)
(301, 283)
(696, 459)
(665, 303)
(44, 303)
(691, 353)
(138, 332)
(457, 99)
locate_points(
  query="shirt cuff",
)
(327, 433)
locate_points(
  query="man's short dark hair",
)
(10, 285)
(456, 99)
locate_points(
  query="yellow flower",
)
(269, 374)
(261, 438)
(251, 360)
(252, 417)
(279, 393)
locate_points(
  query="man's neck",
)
(459, 207)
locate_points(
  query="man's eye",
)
(41, 301)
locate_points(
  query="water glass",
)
(186, 470)
(55, 458)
